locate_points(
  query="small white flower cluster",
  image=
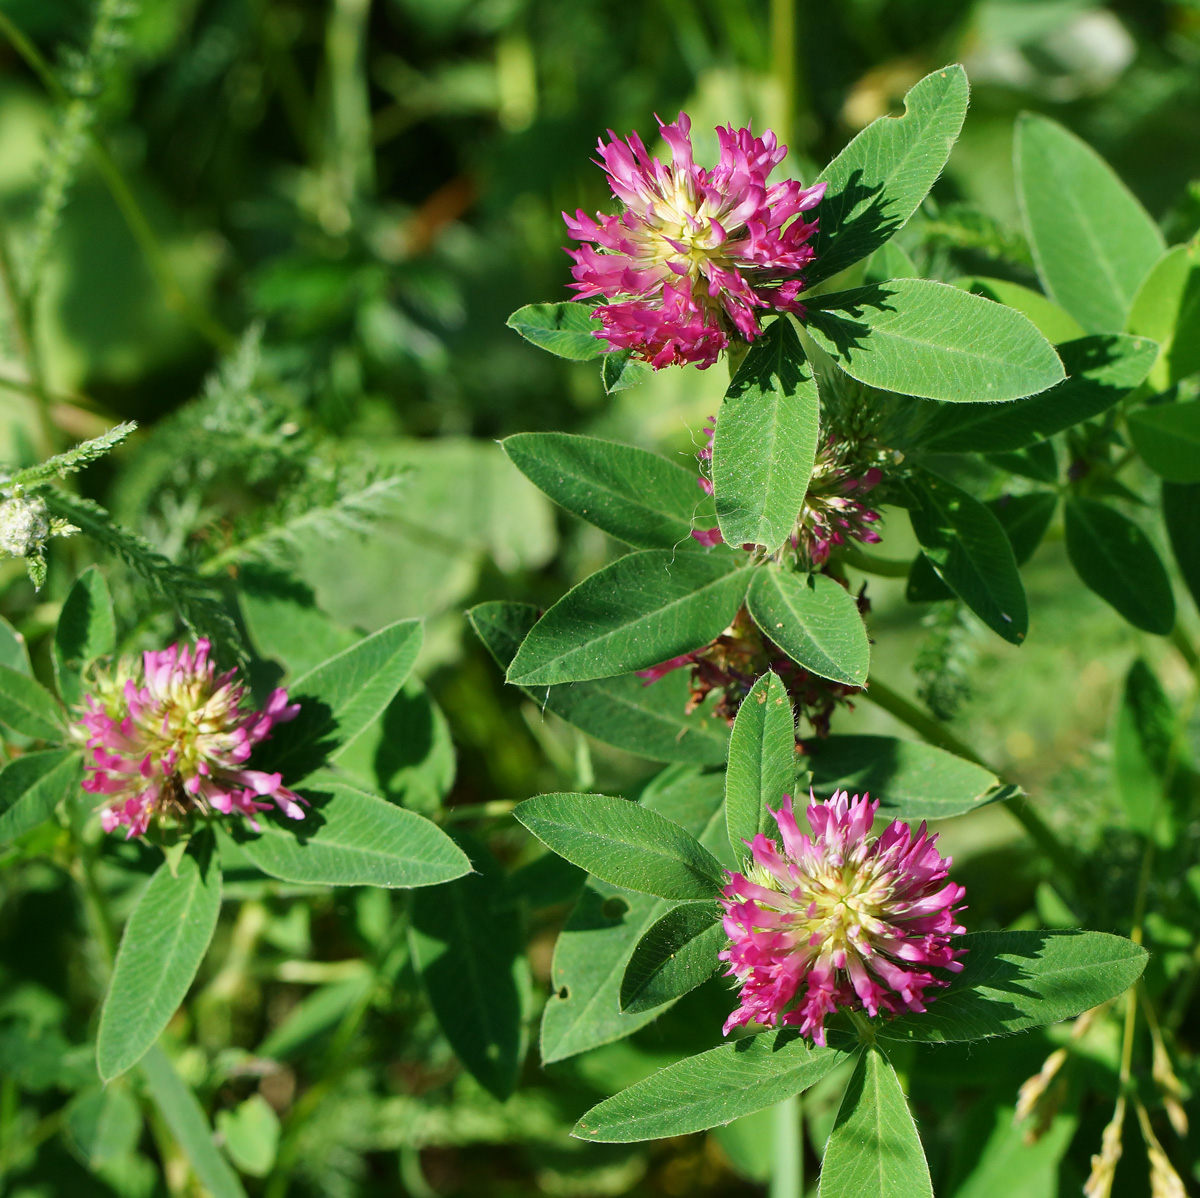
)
(25, 526)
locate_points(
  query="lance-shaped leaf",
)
(675, 955)
(766, 441)
(164, 942)
(1054, 323)
(594, 947)
(651, 721)
(28, 707)
(86, 630)
(1100, 370)
(1025, 519)
(814, 620)
(340, 697)
(1092, 242)
(1167, 309)
(967, 548)
(14, 653)
(467, 947)
(623, 843)
(1115, 558)
(348, 838)
(874, 1147)
(713, 1088)
(1180, 503)
(566, 330)
(642, 610)
(762, 761)
(185, 1117)
(879, 179)
(911, 781)
(932, 340)
(32, 785)
(1012, 981)
(1168, 438)
(634, 495)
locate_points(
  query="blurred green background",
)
(372, 186)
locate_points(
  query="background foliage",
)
(291, 259)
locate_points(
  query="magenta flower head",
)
(697, 254)
(172, 739)
(838, 919)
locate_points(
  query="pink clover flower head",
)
(172, 738)
(698, 254)
(839, 919)
(834, 512)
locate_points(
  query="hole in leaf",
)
(614, 908)
(564, 993)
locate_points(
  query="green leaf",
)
(762, 761)
(1092, 242)
(468, 948)
(766, 441)
(1100, 371)
(1012, 981)
(1168, 438)
(1055, 324)
(874, 1148)
(32, 785)
(183, 1115)
(348, 838)
(634, 495)
(932, 340)
(1009, 1164)
(13, 651)
(407, 756)
(710, 1089)
(1038, 461)
(623, 843)
(590, 957)
(642, 610)
(164, 942)
(103, 1125)
(890, 261)
(1024, 519)
(566, 330)
(651, 721)
(620, 370)
(1167, 309)
(911, 781)
(923, 584)
(341, 697)
(251, 1135)
(283, 619)
(877, 182)
(1145, 728)
(967, 548)
(1180, 503)
(675, 954)
(814, 620)
(594, 947)
(28, 707)
(87, 629)
(1115, 559)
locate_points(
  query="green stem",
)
(869, 563)
(412, 1177)
(156, 258)
(787, 1165)
(936, 733)
(496, 809)
(1183, 642)
(783, 66)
